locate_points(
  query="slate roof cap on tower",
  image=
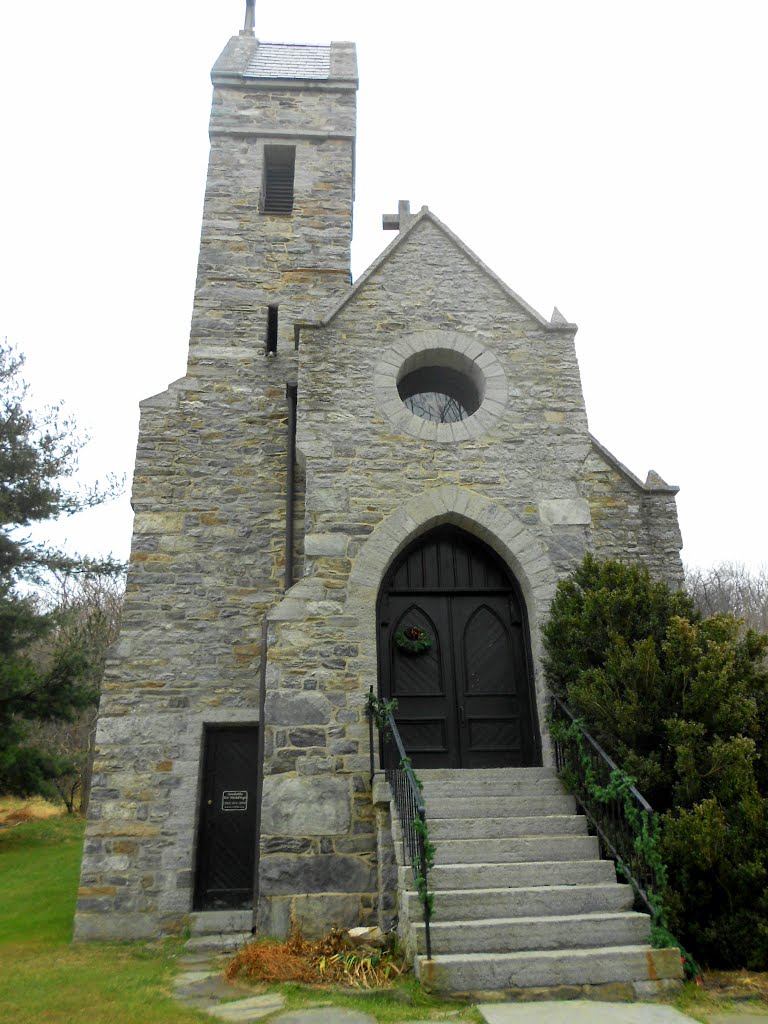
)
(256, 65)
(285, 60)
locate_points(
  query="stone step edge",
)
(513, 806)
(224, 942)
(444, 789)
(483, 868)
(220, 922)
(590, 917)
(525, 835)
(506, 864)
(542, 770)
(647, 972)
(546, 954)
(501, 890)
(506, 817)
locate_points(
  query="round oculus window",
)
(440, 394)
(441, 386)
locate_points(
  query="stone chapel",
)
(341, 460)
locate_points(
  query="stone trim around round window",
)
(447, 349)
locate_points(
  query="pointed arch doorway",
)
(467, 700)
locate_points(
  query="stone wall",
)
(632, 521)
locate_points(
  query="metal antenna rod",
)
(250, 16)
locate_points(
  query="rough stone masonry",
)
(214, 635)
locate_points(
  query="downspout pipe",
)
(291, 392)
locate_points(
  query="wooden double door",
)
(465, 700)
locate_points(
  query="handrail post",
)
(370, 733)
(423, 859)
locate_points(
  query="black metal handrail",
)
(617, 834)
(408, 802)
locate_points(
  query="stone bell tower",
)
(172, 823)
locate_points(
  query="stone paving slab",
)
(245, 1011)
(324, 1015)
(191, 977)
(200, 986)
(581, 1011)
(213, 987)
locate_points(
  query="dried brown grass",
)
(14, 810)
(330, 960)
(736, 984)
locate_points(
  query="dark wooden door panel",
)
(423, 683)
(226, 844)
(492, 689)
(467, 701)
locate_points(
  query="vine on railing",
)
(624, 821)
(418, 851)
(427, 898)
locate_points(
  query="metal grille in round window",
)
(440, 394)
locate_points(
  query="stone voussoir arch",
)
(486, 519)
(491, 522)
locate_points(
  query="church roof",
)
(285, 60)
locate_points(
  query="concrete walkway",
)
(587, 1012)
(580, 1011)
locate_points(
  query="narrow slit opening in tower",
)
(279, 166)
(271, 329)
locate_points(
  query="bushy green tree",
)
(681, 703)
(38, 453)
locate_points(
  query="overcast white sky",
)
(607, 157)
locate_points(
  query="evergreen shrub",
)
(681, 703)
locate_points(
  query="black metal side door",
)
(226, 843)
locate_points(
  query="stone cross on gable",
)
(398, 221)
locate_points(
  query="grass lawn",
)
(46, 980)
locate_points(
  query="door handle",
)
(462, 716)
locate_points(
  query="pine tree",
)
(43, 675)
